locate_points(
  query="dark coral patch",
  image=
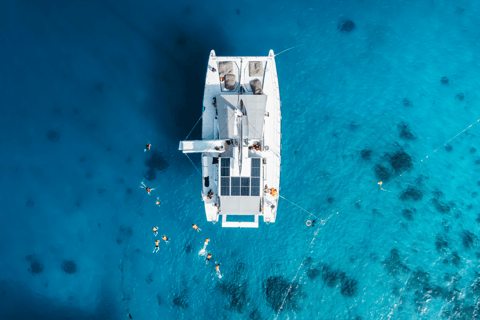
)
(440, 206)
(69, 267)
(36, 267)
(468, 239)
(407, 102)
(382, 173)
(408, 214)
(411, 193)
(236, 294)
(30, 203)
(53, 135)
(275, 288)
(155, 163)
(313, 273)
(405, 132)
(346, 26)
(181, 300)
(460, 96)
(401, 161)
(393, 264)
(440, 243)
(366, 154)
(445, 81)
(455, 258)
(349, 287)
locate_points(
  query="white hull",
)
(230, 129)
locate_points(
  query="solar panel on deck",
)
(225, 167)
(255, 167)
(235, 183)
(245, 188)
(255, 190)
(225, 186)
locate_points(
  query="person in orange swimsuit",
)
(194, 226)
(206, 240)
(157, 202)
(217, 267)
(157, 242)
(147, 147)
(143, 186)
(208, 257)
(165, 238)
(155, 231)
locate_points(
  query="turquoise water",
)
(85, 85)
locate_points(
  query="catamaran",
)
(241, 140)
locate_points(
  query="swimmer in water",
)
(206, 241)
(143, 186)
(165, 238)
(147, 147)
(155, 231)
(194, 226)
(157, 242)
(157, 202)
(208, 257)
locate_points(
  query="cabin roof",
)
(253, 108)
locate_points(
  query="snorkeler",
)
(194, 226)
(165, 238)
(157, 242)
(155, 231)
(208, 257)
(147, 147)
(143, 186)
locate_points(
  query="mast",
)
(240, 153)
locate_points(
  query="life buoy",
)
(309, 223)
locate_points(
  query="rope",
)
(193, 164)
(287, 50)
(299, 206)
(194, 127)
(298, 270)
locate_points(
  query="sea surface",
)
(371, 91)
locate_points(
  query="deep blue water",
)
(84, 85)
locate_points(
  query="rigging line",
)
(287, 49)
(453, 138)
(296, 275)
(194, 126)
(298, 206)
(193, 164)
(210, 144)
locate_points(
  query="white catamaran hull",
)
(242, 123)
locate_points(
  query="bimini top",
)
(253, 108)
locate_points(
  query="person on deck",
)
(194, 226)
(157, 242)
(273, 192)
